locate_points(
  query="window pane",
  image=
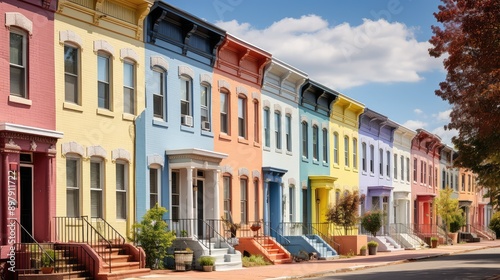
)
(267, 132)
(17, 81)
(71, 88)
(121, 203)
(96, 204)
(103, 70)
(16, 49)
(288, 133)
(158, 106)
(120, 177)
(128, 75)
(128, 102)
(71, 60)
(95, 175)
(73, 202)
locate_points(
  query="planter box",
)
(350, 244)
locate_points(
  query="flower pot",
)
(47, 270)
(255, 228)
(434, 243)
(208, 268)
(182, 258)
(362, 252)
(372, 250)
(454, 237)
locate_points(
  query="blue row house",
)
(177, 167)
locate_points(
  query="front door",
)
(26, 203)
(199, 206)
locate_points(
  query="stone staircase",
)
(386, 244)
(411, 241)
(323, 249)
(226, 257)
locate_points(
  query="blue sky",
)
(374, 51)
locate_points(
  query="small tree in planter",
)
(153, 236)
(345, 212)
(207, 262)
(372, 222)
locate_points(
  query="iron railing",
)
(79, 229)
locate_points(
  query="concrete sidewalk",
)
(322, 267)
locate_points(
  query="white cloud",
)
(415, 124)
(444, 116)
(343, 56)
(445, 135)
(418, 111)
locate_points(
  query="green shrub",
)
(254, 260)
(206, 261)
(495, 223)
(153, 236)
(48, 258)
(457, 223)
(372, 222)
(372, 244)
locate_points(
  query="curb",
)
(361, 267)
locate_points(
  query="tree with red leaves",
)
(469, 41)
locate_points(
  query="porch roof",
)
(12, 127)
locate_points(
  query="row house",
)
(401, 175)
(315, 108)
(28, 132)
(280, 138)
(99, 77)
(377, 136)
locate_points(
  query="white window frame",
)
(97, 189)
(346, 151)
(363, 156)
(123, 190)
(77, 188)
(156, 169)
(288, 132)
(185, 95)
(336, 148)
(372, 159)
(355, 153)
(72, 97)
(129, 86)
(224, 113)
(324, 132)
(305, 140)
(23, 92)
(205, 105)
(104, 81)
(315, 142)
(244, 200)
(242, 117)
(277, 129)
(267, 128)
(159, 97)
(175, 195)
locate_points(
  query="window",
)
(469, 183)
(121, 190)
(18, 63)
(226, 181)
(71, 75)
(423, 172)
(154, 187)
(395, 166)
(205, 106)
(305, 139)
(72, 187)
(277, 129)
(256, 126)
(436, 177)
(381, 161)
(315, 142)
(443, 179)
(244, 201)
(291, 199)
(267, 132)
(408, 169)
(185, 97)
(158, 88)
(372, 159)
(325, 145)
(335, 148)
(430, 175)
(463, 182)
(104, 98)
(175, 195)
(256, 200)
(402, 167)
(242, 117)
(288, 133)
(363, 156)
(415, 169)
(346, 150)
(224, 112)
(354, 153)
(388, 164)
(96, 185)
(129, 87)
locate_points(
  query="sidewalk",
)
(322, 267)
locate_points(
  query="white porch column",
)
(189, 193)
(216, 194)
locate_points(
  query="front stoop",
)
(122, 266)
(266, 247)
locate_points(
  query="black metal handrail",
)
(109, 232)
(79, 229)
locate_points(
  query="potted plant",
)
(457, 223)
(231, 226)
(362, 250)
(183, 259)
(372, 247)
(434, 242)
(47, 261)
(255, 226)
(448, 209)
(207, 262)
